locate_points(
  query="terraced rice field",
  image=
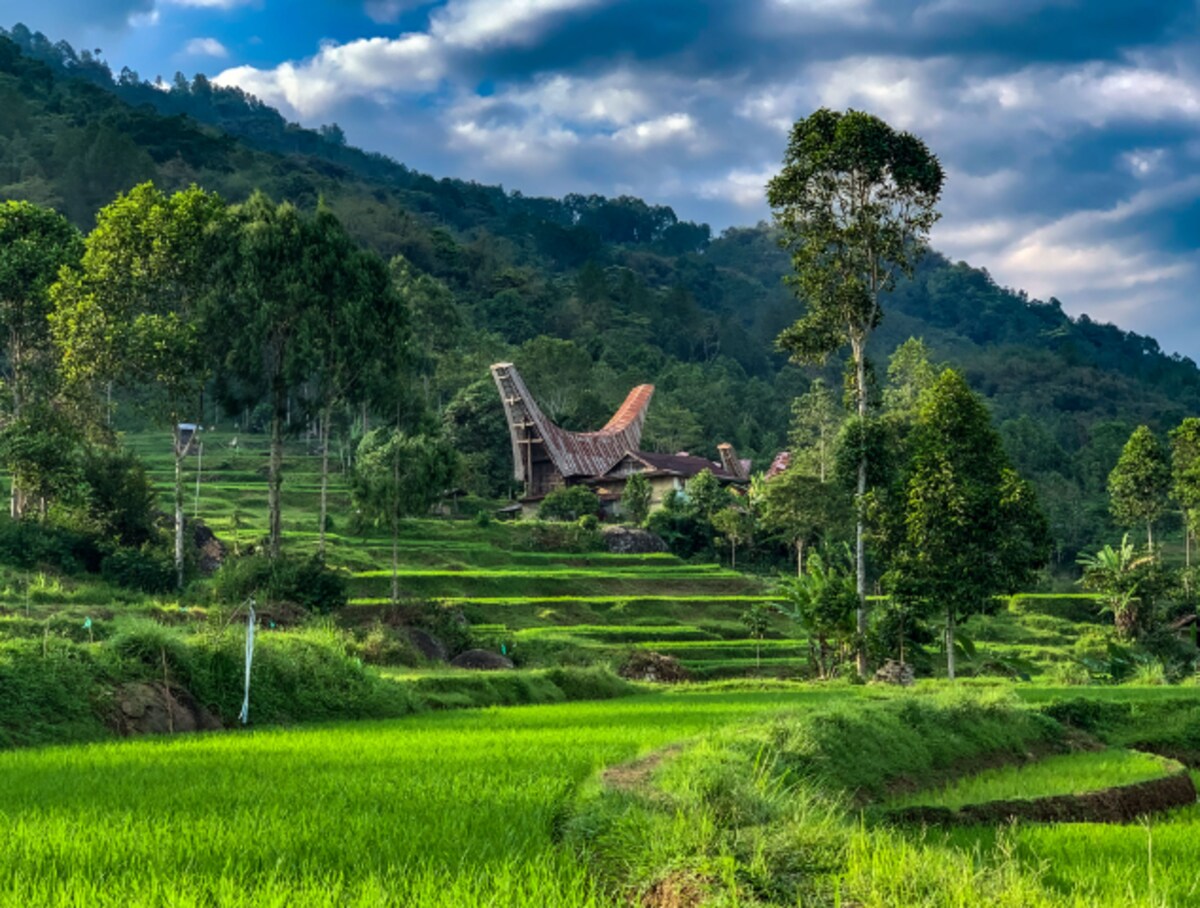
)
(455, 809)
(1073, 773)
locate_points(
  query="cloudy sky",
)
(1070, 129)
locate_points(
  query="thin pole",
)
(199, 471)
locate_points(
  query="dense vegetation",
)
(623, 290)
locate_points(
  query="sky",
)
(1069, 129)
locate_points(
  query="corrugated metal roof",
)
(573, 453)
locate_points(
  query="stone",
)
(630, 541)
(481, 660)
(893, 672)
(655, 667)
(152, 709)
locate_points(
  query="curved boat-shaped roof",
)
(573, 453)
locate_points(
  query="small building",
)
(547, 457)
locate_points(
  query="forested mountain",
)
(588, 295)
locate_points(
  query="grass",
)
(455, 809)
(1057, 775)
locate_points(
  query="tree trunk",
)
(950, 644)
(275, 482)
(733, 554)
(799, 557)
(178, 509)
(324, 482)
(395, 528)
(16, 504)
(860, 548)
(1149, 537)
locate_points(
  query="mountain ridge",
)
(589, 292)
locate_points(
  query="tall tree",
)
(816, 418)
(261, 320)
(909, 374)
(356, 332)
(799, 508)
(1185, 477)
(398, 475)
(131, 313)
(854, 202)
(971, 526)
(1139, 484)
(35, 243)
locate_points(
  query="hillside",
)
(588, 295)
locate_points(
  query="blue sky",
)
(1070, 130)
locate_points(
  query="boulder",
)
(643, 665)
(210, 551)
(481, 660)
(630, 541)
(152, 709)
(893, 672)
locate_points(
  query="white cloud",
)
(370, 67)
(482, 23)
(744, 188)
(1093, 93)
(205, 47)
(657, 131)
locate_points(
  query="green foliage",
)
(812, 435)
(971, 526)
(1117, 574)
(800, 508)
(822, 601)
(1185, 470)
(121, 501)
(707, 495)
(148, 570)
(569, 503)
(399, 475)
(288, 579)
(635, 499)
(28, 545)
(1139, 484)
(846, 253)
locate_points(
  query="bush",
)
(121, 500)
(140, 569)
(569, 503)
(306, 582)
(26, 544)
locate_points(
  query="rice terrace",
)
(381, 537)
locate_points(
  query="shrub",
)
(569, 503)
(306, 582)
(121, 500)
(140, 569)
(26, 544)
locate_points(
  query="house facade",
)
(547, 457)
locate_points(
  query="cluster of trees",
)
(1151, 479)
(172, 296)
(615, 291)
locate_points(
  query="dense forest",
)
(589, 295)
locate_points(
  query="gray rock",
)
(629, 541)
(481, 660)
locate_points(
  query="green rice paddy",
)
(1062, 774)
(454, 809)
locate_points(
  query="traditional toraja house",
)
(546, 456)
